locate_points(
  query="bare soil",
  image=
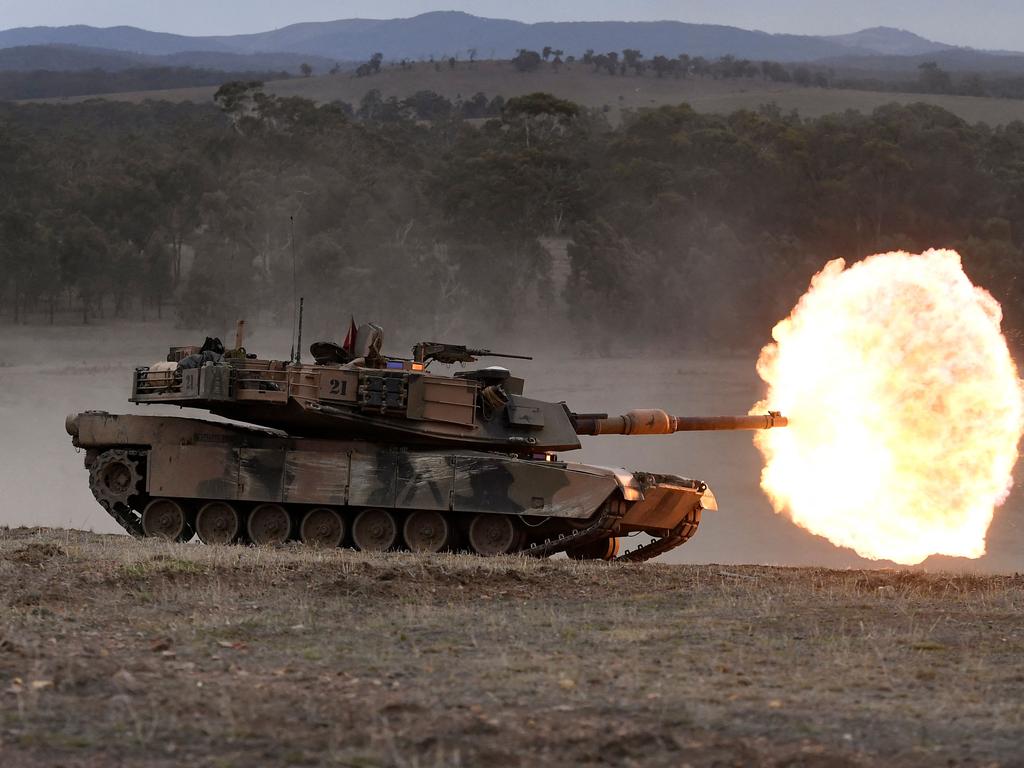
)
(114, 651)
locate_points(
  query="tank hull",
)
(170, 476)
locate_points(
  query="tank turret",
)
(357, 393)
(362, 448)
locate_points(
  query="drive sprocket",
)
(115, 477)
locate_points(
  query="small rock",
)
(126, 681)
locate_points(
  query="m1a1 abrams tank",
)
(380, 453)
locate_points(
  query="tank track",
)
(676, 538)
(130, 520)
(604, 527)
(118, 503)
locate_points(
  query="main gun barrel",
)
(657, 422)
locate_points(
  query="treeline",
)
(680, 228)
(374, 107)
(931, 77)
(631, 62)
(47, 84)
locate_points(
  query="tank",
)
(363, 449)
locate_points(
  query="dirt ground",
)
(120, 652)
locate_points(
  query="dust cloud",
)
(48, 372)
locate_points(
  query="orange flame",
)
(904, 406)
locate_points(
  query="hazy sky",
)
(992, 24)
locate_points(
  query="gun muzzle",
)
(653, 421)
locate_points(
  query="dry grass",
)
(616, 93)
(141, 653)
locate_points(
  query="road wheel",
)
(375, 530)
(491, 535)
(427, 531)
(218, 523)
(322, 527)
(165, 519)
(269, 524)
(602, 549)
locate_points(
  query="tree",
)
(371, 67)
(973, 85)
(772, 70)
(306, 69)
(476, 106)
(526, 61)
(934, 79)
(83, 262)
(539, 115)
(631, 58)
(238, 99)
(662, 65)
(611, 62)
(427, 105)
(546, 53)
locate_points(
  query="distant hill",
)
(447, 33)
(889, 42)
(74, 58)
(114, 38)
(64, 58)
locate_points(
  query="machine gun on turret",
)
(448, 354)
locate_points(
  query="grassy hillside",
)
(114, 651)
(581, 85)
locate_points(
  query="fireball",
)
(904, 405)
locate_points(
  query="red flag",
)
(350, 338)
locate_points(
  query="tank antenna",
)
(291, 223)
(298, 345)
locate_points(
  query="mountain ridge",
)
(454, 33)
